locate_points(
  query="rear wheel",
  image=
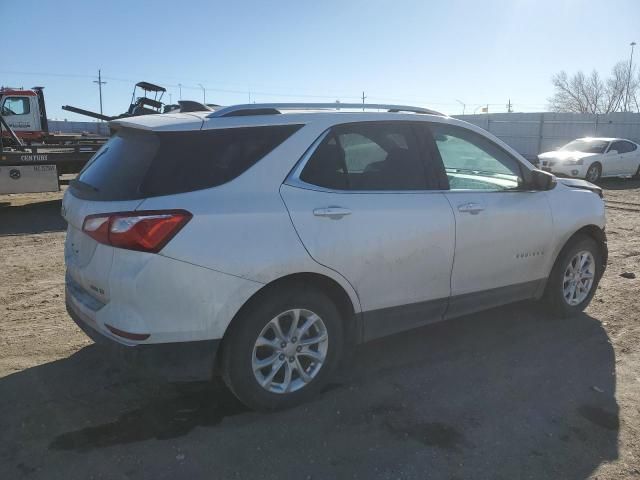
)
(594, 172)
(283, 348)
(574, 277)
(636, 176)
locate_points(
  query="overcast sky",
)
(427, 53)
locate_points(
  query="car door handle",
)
(471, 207)
(334, 213)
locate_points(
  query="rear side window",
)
(367, 156)
(135, 164)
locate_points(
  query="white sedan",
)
(593, 158)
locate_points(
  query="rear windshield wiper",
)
(80, 185)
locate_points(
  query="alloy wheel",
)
(593, 174)
(578, 278)
(290, 351)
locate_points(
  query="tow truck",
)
(32, 158)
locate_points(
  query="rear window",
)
(136, 164)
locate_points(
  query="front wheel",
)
(574, 277)
(283, 348)
(594, 172)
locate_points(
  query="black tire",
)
(594, 172)
(636, 176)
(554, 298)
(239, 342)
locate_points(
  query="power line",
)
(289, 94)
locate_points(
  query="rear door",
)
(362, 205)
(503, 232)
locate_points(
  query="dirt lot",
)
(509, 393)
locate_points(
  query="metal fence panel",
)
(534, 133)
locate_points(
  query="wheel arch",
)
(595, 162)
(348, 306)
(596, 233)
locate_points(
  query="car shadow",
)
(508, 393)
(39, 217)
(619, 183)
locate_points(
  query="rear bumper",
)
(182, 361)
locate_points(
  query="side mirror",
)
(542, 181)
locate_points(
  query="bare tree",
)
(590, 94)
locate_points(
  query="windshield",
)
(586, 146)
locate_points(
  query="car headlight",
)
(573, 161)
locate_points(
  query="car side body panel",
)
(572, 209)
(242, 237)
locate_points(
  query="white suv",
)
(259, 242)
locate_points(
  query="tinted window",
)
(16, 106)
(622, 147)
(135, 164)
(368, 156)
(473, 162)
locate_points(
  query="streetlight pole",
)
(464, 106)
(180, 90)
(204, 96)
(626, 100)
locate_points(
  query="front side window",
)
(16, 106)
(367, 156)
(473, 162)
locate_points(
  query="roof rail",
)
(272, 108)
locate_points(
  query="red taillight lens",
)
(146, 231)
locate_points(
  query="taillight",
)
(145, 231)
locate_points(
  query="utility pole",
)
(509, 107)
(363, 98)
(100, 83)
(626, 100)
(180, 90)
(170, 99)
(204, 95)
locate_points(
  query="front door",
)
(503, 233)
(363, 208)
(21, 113)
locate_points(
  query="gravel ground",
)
(509, 393)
